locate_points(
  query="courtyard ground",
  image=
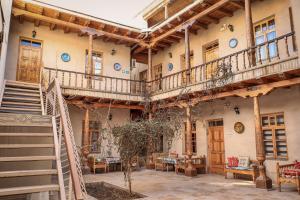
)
(169, 186)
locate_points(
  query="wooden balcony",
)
(271, 61)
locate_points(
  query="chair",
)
(96, 163)
(289, 173)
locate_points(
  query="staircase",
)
(21, 98)
(29, 160)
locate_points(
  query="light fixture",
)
(237, 110)
(113, 51)
(170, 54)
(224, 27)
(230, 27)
(33, 34)
(110, 117)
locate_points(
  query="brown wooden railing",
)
(69, 157)
(277, 50)
(107, 84)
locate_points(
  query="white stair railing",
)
(70, 160)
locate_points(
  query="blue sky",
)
(121, 11)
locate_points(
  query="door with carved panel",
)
(157, 75)
(183, 67)
(216, 146)
(211, 53)
(29, 61)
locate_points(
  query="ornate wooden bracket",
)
(255, 91)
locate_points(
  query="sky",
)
(120, 11)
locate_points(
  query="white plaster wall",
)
(57, 42)
(281, 100)
(260, 10)
(6, 7)
(119, 117)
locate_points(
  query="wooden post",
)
(166, 11)
(249, 32)
(149, 71)
(90, 61)
(187, 54)
(262, 181)
(86, 134)
(190, 170)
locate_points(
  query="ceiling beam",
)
(238, 4)
(20, 12)
(72, 20)
(53, 25)
(205, 12)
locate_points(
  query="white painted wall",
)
(6, 7)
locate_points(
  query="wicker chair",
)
(288, 174)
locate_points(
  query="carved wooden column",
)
(190, 170)
(149, 71)
(262, 181)
(187, 54)
(86, 133)
(249, 32)
(90, 61)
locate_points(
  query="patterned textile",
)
(169, 160)
(233, 161)
(291, 172)
(297, 165)
(111, 160)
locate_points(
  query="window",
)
(95, 136)
(274, 135)
(97, 63)
(143, 75)
(265, 31)
(194, 138)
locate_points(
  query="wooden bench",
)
(199, 163)
(286, 174)
(251, 171)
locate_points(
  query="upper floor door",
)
(29, 61)
(184, 67)
(211, 52)
(157, 75)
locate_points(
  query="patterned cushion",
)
(297, 165)
(233, 161)
(291, 172)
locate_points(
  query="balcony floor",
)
(168, 185)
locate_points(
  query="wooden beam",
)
(71, 20)
(200, 24)
(205, 12)
(105, 105)
(20, 12)
(237, 4)
(212, 19)
(86, 134)
(53, 25)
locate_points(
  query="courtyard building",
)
(231, 66)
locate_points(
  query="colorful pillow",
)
(244, 161)
(291, 172)
(297, 165)
(233, 161)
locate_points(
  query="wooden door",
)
(183, 67)
(157, 75)
(29, 62)
(216, 146)
(211, 53)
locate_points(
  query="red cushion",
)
(233, 161)
(292, 172)
(297, 165)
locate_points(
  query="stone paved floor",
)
(169, 186)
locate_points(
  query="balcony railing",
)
(243, 65)
(98, 83)
(251, 63)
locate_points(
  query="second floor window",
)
(97, 63)
(265, 31)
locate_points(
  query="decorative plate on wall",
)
(233, 43)
(65, 57)
(117, 66)
(170, 66)
(239, 127)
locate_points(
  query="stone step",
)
(28, 189)
(26, 134)
(6, 174)
(26, 158)
(22, 90)
(21, 94)
(5, 98)
(17, 146)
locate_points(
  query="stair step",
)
(22, 90)
(21, 99)
(27, 158)
(6, 103)
(21, 94)
(26, 134)
(28, 189)
(6, 174)
(20, 109)
(16, 146)
(19, 83)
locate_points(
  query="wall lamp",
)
(237, 110)
(170, 54)
(113, 51)
(33, 34)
